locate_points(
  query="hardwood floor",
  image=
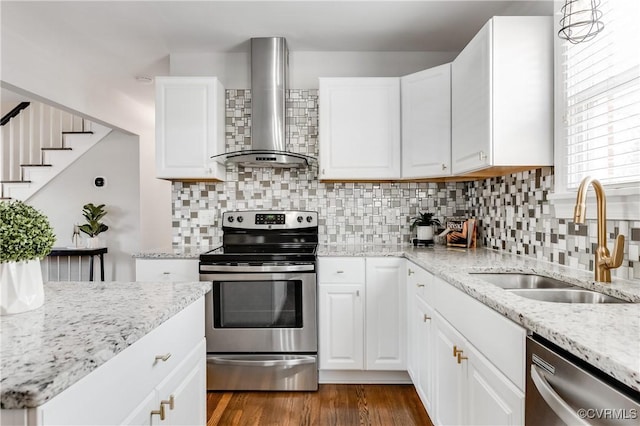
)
(332, 405)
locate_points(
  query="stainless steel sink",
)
(566, 295)
(518, 280)
(545, 289)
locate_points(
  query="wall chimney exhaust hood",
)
(269, 84)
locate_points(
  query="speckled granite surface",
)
(80, 327)
(605, 335)
(174, 252)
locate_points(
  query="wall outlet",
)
(207, 217)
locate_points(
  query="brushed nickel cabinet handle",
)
(164, 357)
(410, 272)
(419, 285)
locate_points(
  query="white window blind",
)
(602, 102)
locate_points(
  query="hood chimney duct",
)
(269, 84)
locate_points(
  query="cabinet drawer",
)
(338, 270)
(117, 387)
(167, 270)
(422, 281)
(499, 339)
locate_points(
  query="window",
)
(598, 103)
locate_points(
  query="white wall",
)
(234, 69)
(116, 159)
(28, 69)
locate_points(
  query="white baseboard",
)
(363, 377)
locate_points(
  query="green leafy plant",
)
(25, 233)
(424, 219)
(93, 214)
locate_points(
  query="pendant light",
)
(581, 20)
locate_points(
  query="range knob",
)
(309, 219)
(229, 218)
(240, 219)
(299, 219)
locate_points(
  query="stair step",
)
(36, 165)
(77, 133)
(56, 149)
(15, 181)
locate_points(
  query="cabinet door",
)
(426, 123)
(189, 127)
(167, 270)
(471, 88)
(141, 415)
(491, 398)
(341, 327)
(359, 128)
(425, 352)
(449, 374)
(184, 392)
(385, 314)
(412, 323)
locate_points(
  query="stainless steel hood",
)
(269, 84)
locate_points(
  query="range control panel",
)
(269, 219)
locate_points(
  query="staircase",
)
(37, 142)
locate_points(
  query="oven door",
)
(254, 309)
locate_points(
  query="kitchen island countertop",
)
(606, 336)
(80, 327)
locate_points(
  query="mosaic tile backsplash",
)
(513, 210)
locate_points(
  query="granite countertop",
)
(174, 252)
(80, 327)
(605, 335)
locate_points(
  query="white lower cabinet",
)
(459, 383)
(161, 375)
(385, 314)
(179, 270)
(424, 369)
(341, 326)
(178, 399)
(361, 313)
(449, 378)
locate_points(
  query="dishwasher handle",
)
(555, 402)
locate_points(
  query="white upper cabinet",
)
(426, 123)
(502, 96)
(359, 128)
(189, 128)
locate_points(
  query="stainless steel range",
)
(261, 317)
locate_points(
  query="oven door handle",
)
(555, 402)
(257, 268)
(298, 360)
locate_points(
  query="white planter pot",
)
(93, 242)
(425, 233)
(21, 286)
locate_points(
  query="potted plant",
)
(424, 222)
(93, 227)
(26, 237)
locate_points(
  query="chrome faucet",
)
(603, 261)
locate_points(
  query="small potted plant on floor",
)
(93, 227)
(26, 237)
(424, 223)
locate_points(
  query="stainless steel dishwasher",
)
(563, 390)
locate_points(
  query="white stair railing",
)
(28, 140)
